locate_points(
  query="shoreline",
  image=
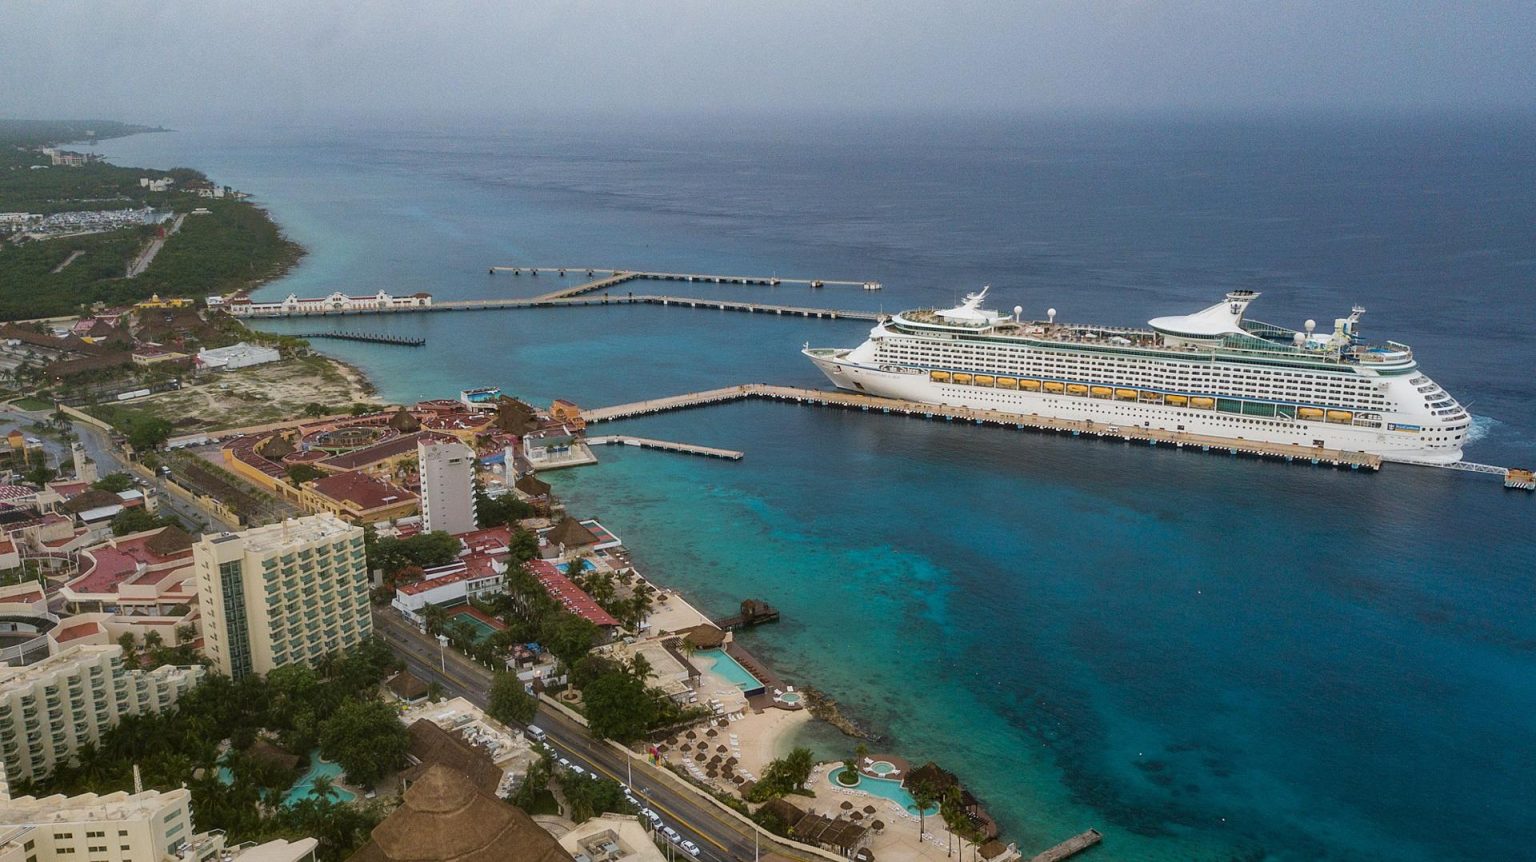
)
(774, 732)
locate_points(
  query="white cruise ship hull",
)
(915, 385)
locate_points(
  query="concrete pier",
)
(665, 446)
(870, 403)
(1070, 847)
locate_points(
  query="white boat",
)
(1211, 373)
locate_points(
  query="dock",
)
(993, 418)
(369, 337)
(567, 301)
(1070, 847)
(666, 446)
(615, 277)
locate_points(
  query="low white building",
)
(611, 838)
(452, 584)
(336, 303)
(235, 356)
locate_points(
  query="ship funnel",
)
(1238, 301)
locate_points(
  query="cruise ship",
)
(1211, 373)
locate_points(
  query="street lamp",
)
(442, 655)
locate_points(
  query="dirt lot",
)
(251, 396)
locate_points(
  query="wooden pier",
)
(619, 276)
(1070, 847)
(369, 337)
(665, 446)
(1076, 428)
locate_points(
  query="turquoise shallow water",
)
(1206, 658)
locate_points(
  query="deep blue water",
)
(1207, 658)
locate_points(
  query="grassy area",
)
(32, 404)
(247, 396)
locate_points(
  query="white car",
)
(652, 816)
(578, 770)
(692, 848)
(564, 764)
(672, 834)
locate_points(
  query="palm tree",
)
(321, 787)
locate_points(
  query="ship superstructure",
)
(1211, 373)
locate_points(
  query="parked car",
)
(672, 834)
(690, 847)
(653, 817)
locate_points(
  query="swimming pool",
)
(882, 768)
(720, 662)
(304, 788)
(482, 628)
(586, 566)
(789, 697)
(884, 788)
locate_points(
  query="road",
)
(721, 837)
(109, 460)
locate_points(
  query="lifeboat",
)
(1125, 394)
(1076, 389)
(961, 378)
(1029, 385)
(1007, 383)
(1100, 391)
(1175, 400)
(1201, 403)
(1311, 414)
(1053, 386)
(985, 380)
(939, 376)
(1152, 397)
(1341, 417)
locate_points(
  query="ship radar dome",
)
(1018, 312)
(1310, 325)
(1051, 313)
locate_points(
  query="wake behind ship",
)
(1211, 373)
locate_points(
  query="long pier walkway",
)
(1077, 428)
(665, 446)
(627, 299)
(619, 276)
(369, 337)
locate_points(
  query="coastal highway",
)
(720, 836)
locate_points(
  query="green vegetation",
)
(505, 510)
(509, 702)
(785, 775)
(155, 652)
(114, 482)
(366, 738)
(294, 706)
(423, 550)
(137, 520)
(533, 794)
(233, 246)
(32, 404)
(590, 796)
(298, 474)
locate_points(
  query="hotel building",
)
(447, 486)
(282, 594)
(50, 709)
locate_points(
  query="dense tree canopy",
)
(366, 738)
(509, 702)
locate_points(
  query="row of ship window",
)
(1143, 396)
(1292, 383)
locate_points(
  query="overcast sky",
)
(308, 60)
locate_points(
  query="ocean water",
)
(1204, 657)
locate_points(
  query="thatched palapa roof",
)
(703, 637)
(431, 746)
(446, 818)
(571, 534)
(532, 485)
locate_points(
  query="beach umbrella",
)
(699, 757)
(715, 761)
(869, 809)
(856, 816)
(847, 806)
(731, 761)
(691, 735)
(711, 732)
(864, 855)
(722, 749)
(878, 825)
(739, 779)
